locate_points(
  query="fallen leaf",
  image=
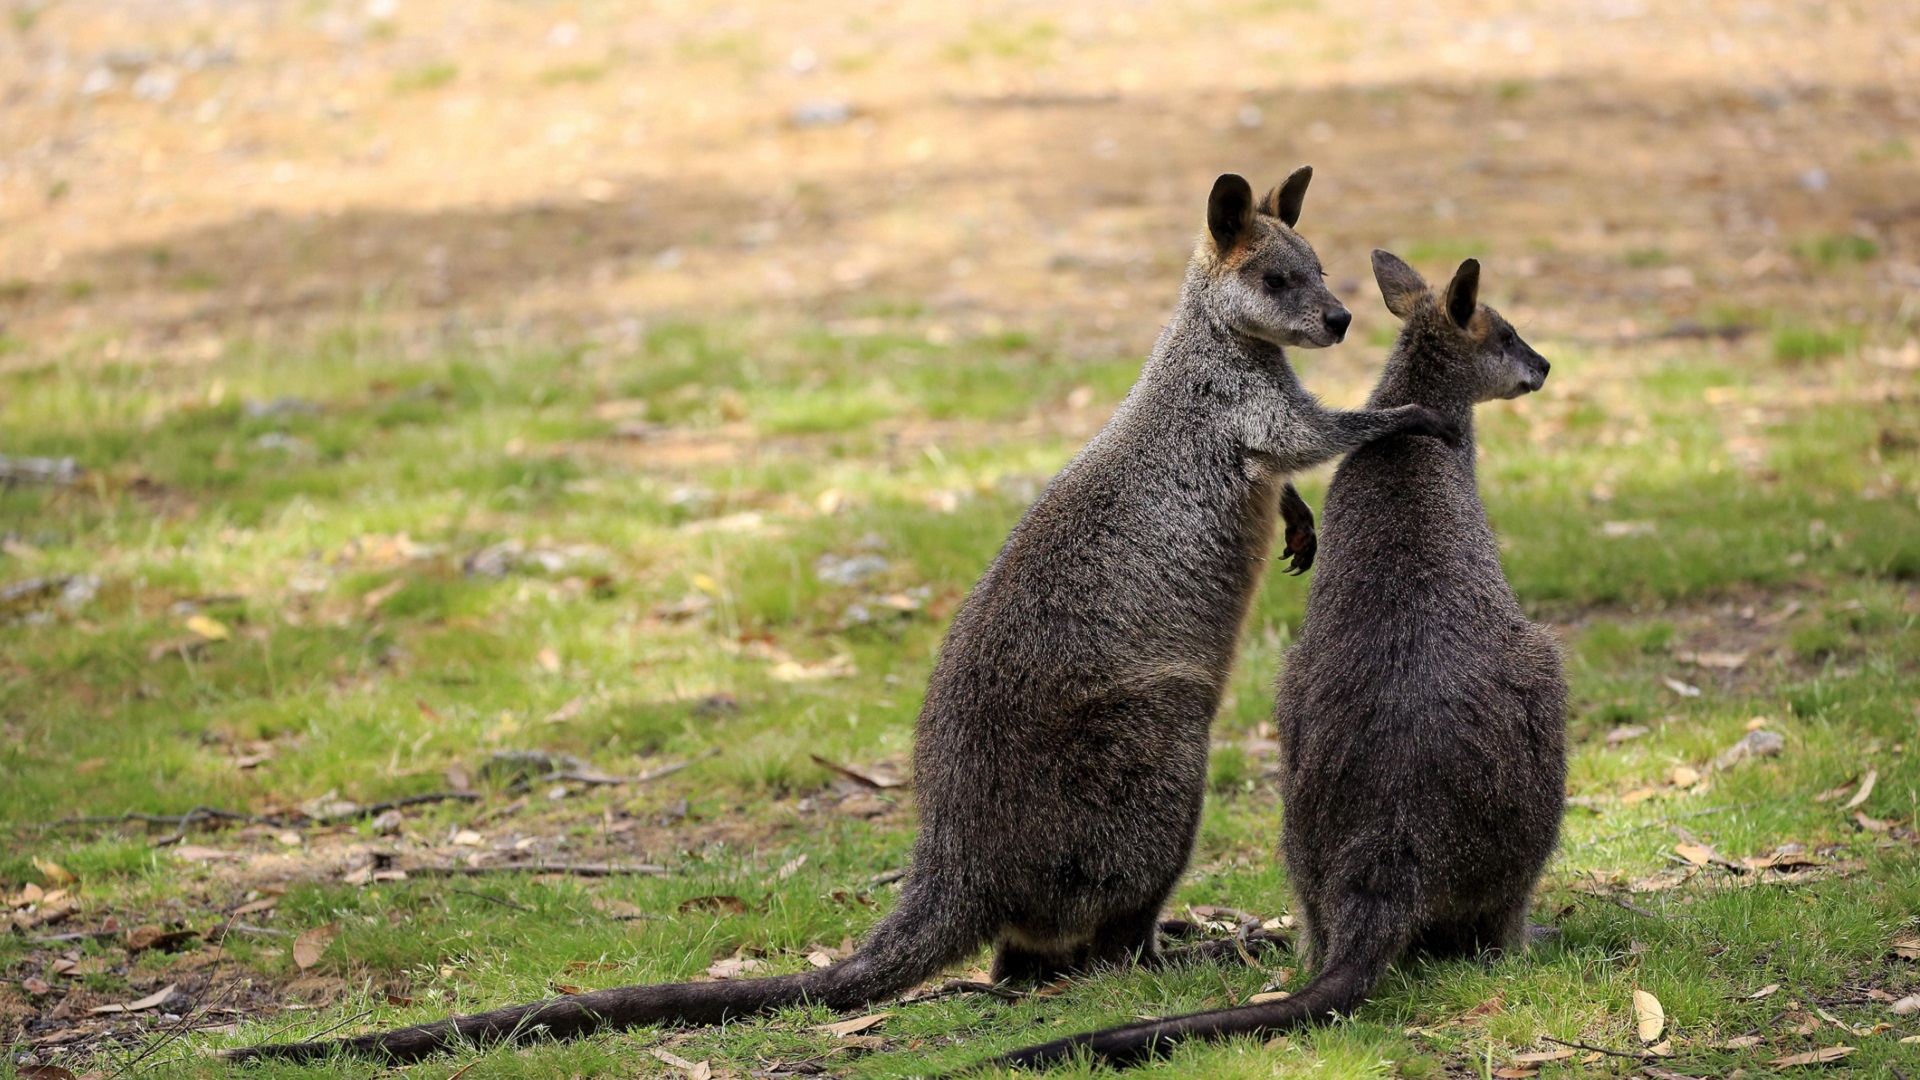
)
(1515, 1073)
(1906, 1006)
(35, 985)
(1541, 1057)
(1493, 1006)
(1271, 995)
(1684, 776)
(311, 944)
(54, 872)
(1649, 1018)
(1757, 723)
(1741, 1042)
(1698, 856)
(732, 905)
(1873, 825)
(791, 868)
(208, 627)
(258, 906)
(1678, 687)
(1726, 661)
(468, 838)
(881, 776)
(548, 659)
(151, 1001)
(142, 938)
(1663, 1048)
(1866, 789)
(819, 959)
(695, 1070)
(567, 988)
(1907, 948)
(1766, 991)
(854, 1026)
(1626, 733)
(47, 1072)
(733, 966)
(1638, 795)
(1814, 1057)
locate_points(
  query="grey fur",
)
(1422, 717)
(1061, 756)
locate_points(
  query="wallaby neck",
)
(1408, 379)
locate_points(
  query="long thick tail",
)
(910, 945)
(1346, 981)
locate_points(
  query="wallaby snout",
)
(1337, 322)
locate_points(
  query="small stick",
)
(887, 877)
(1596, 1049)
(970, 986)
(603, 779)
(376, 809)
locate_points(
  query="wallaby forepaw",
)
(1438, 426)
(1302, 538)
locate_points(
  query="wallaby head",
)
(1460, 341)
(1264, 280)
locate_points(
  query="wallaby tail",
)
(1346, 981)
(903, 950)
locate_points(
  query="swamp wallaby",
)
(1061, 756)
(1421, 716)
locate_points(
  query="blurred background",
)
(179, 177)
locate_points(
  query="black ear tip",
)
(1304, 172)
(1231, 180)
(1470, 267)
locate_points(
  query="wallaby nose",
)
(1337, 321)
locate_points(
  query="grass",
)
(331, 508)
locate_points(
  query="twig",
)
(1596, 1049)
(186, 822)
(179, 1029)
(198, 813)
(376, 809)
(971, 986)
(577, 869)
(492, 899)
(334, 1028)
(887, 877)
(462, 1070)
(83, 935)
(603, 779)
(248, 928)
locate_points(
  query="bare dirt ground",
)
(175, 177)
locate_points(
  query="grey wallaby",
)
(1421, 717)
(1061, 756)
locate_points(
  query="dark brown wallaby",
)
(1061, 756)
(1421, 716)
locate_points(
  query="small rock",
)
(827, 112)
(1759, 743)
(388, 823)
(849, 571)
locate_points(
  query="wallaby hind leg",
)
(1022, 966)
(1124, 940)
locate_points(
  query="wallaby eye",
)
(1275, 282)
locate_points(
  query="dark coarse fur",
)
(1061, 756)
(1422, 716)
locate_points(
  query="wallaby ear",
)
(1229, 210)
(1463, 293)
(1401, 286)
(1284, 200)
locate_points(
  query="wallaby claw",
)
(1301, 537)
